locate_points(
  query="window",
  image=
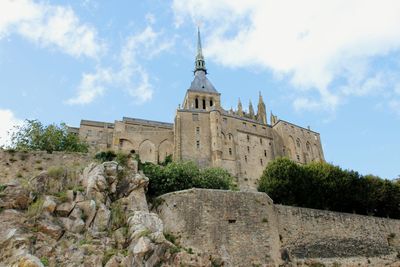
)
(265, 153)
(248, 138)
(195, 117)
(198, 144)
(197, 130)
(204, 104)
(298, 157)
(245, 158)
(248, 149)
(261, 162)
(308, 146)
(261, 141)
(196, 103)
(229, 137)
(211, 103)
(230, 151)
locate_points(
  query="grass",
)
(145, 232)
(62, 196)
(118, 216)
(44, 261)
(35, 208)
(55, 171)
(108, 255)
(2, 187)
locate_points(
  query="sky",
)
(332, 65)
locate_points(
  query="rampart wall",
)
(247, 229)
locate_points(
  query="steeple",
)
(261, 112)
(200, 64)
(251, 110)
(240, 109)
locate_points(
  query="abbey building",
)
(204, 132)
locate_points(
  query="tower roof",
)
(200, 82)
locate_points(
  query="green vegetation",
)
(120, 157)
(118, 215)
(44, 261)
(55, 172)
(35, 208)
(322, 185)
(2, 187)
(108, 255)
(176, 176)
(33, 135)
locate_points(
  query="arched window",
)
(204, 104)
(308, 146)
(211, 103)
(196, 102)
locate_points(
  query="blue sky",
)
(331, 65)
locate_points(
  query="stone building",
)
(204, 132)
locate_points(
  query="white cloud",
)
(7, 122)
(319, 46)
(131, 76)
(49, 26)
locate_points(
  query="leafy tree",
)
(33, 135)
(322, 185)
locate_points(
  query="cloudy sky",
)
(333, 65)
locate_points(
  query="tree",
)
(33, 135)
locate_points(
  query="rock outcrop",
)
(104, 220)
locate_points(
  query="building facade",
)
(204, 132)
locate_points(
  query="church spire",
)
(251, 110)
(240, 109)
(261, 112)
(200, 64)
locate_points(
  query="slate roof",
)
(200, 83)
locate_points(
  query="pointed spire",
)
(251, 110)
(261, 112)
(240, 109)
(200, 64)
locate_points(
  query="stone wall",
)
(247, 229)
(310, 233)
(239, 228)
(18, 164)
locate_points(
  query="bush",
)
(33, 135)
(104, 156)
(322, 185)
(184, 175)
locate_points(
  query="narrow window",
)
(245, 158)
(261, 141)
(197, 130)
(229, 137)
(261, 162)
(230, 151)
(265, 153)
(196, 103)
(248, 138)
(204, 104)
(198, 144)
(248, 149)
(298, 158)
(211, 103)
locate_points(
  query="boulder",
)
(75, 226)
(49, 204)
(28, 260)
(102, 219)
(50, 228)
(15, 196)
(64, 209)
(142, 222)
(89, 210)
(114, 261)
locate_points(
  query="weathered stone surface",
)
(64, 209)
(29, 261)
(15, 196)
(49, 204)
(102, 219)
(75, 226)
(115, 261)
(50, 228)
(144, 222)
(89, 210)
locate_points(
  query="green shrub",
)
(56, 172)
(118, 216)
(184, 175)
(44, 261)
(322, 185)
(35, 208)
(104, 156)
(122, 158)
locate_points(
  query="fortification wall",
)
(238, 227)
(310, 233)
(247, 229)
(19, 164)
